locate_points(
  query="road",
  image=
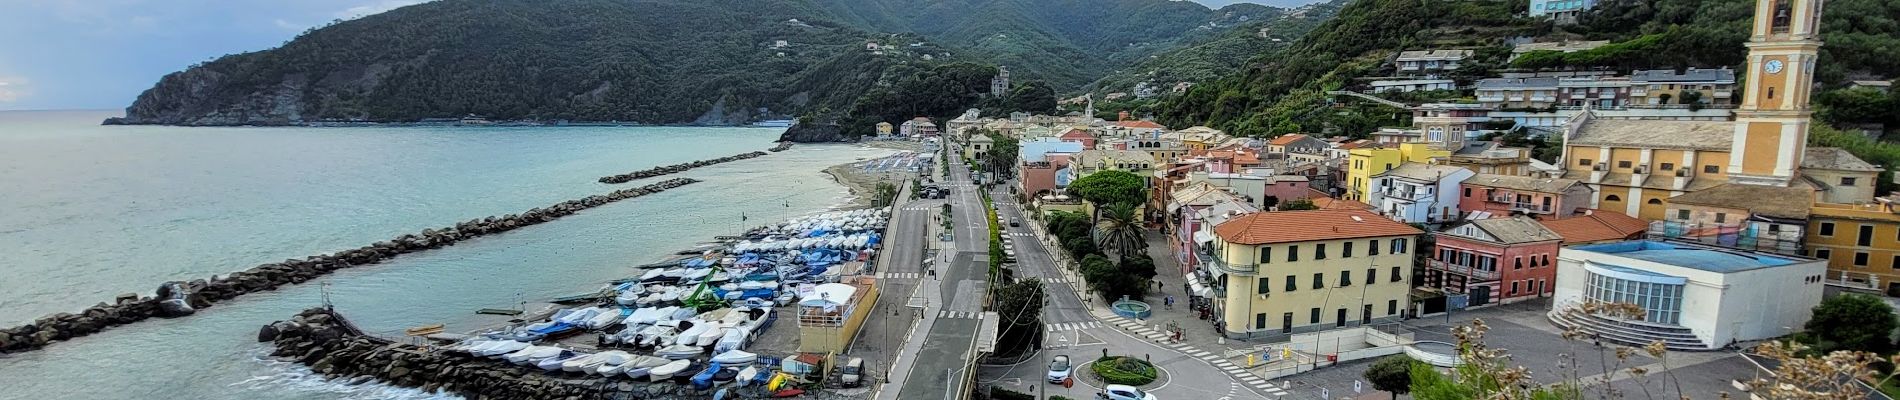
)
(934, 359)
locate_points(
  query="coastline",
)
(862, 183)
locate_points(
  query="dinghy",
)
(615, 363)
(747, 375)
(502, 347)
(679, 351)
(602, 320)
(710, 336)
(735, 339)
(519, 356)
(735, 357)
(554, 363)
(691, 334)
(585, 363)
(640, 366)
(667, 371)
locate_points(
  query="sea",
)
(88, 212)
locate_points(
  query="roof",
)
(1690, 75)
(1523, 183)
(1596, 226)
(1433, 55)
(1834, 158)
(1308, 226)
(1685, 135)
(1873, 83)
(1516, 83)
(1287, 139)
(1706, 258)
(1357, 144)
(1563, 46)
(1770, 201)
(1330, 203)
(1075, 132)
(1422, 171)
(982, 138)
(1514, 230)
(1114, 154)
(1139, 124)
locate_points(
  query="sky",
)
(100, 54)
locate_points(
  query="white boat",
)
(584, 364)
(652, 274)
(694, 275)
(555, 363)
(614, 363)
(602, 320)
(523, 355)
(691, 334)
(735, 339)
(640, 366)
(711, 335)
(735, 357)
(502, 347)
(629, 297)
(746, 375)
(679, 351)
(667, 371)
(657, 335)
(550, 352)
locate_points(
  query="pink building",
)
(1502, 195)
(1494, 261)
(1287, 188)
(1043, 176)
(1078, 136)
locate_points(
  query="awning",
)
(1195, 286)
(1203, 237)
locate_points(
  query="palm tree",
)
(1118, 231)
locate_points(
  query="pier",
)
(677, 168)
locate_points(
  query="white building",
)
(1416, 192)
(1430, 62)
(1412, 85)
(1693, 296)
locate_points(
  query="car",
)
(1015, 222)
(1123, 392)
(852, 375)
(1060, 369)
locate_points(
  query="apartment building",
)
(1285, 272)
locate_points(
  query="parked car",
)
(1059, 369)
(1123, 392)
(852, 375)
(1015, 222)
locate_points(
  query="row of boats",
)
(616, 363)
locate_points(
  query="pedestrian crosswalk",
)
(900, 275)
(1247, 378)
(1072, 326)
(920, 208)
(959, 314)
(1022, 234)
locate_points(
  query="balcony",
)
(1639, 92)
(1477, 275)
(1215, 262)
(1527, 208)
(1490, 99)
(1723, 94)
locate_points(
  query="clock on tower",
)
(1771, 125)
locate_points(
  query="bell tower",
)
(1771, 125)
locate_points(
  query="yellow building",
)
(884, 129)
(979, 145)
(1286, 272)
(1861, 243)
(1635, 166)
(1363, 163)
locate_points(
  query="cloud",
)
(12, 89)
(375, 7)
(287, 25)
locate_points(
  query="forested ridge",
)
(663, 61)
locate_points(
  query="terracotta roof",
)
(1597, 226)
(1139, 124)
(1075, 132)
(1328, 203)
(1684, 135)
(1770, 201)
(1287, 139)
(1357, 144)
(1310, 225)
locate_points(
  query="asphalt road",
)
(948, 346)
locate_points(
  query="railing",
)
(1735, 236)
(1478, 274)
(1212, 260)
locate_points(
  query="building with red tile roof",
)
(1597, 226)
(1275, 274)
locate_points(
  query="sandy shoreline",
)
(862, 183)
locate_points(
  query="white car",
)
(1060, 369)
(1123, 392)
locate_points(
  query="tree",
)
(1856, 106)
(1852, 322)
(1110, 187)
(1035, 97)
(1001, 156)
(1270, 201)
(1391, 374)
(1118, 231)
(1020, 304)
(1299, 204)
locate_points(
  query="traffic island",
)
(1122, 370)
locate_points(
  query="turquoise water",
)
(94, 211)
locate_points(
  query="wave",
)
(277, 376)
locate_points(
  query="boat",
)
(580, 298)
(522, 355)
(735, 339)
(747, 375)
(679, 351)
(657, 335)
(712, 335)
(585, 364)
(554, 363)
(667, 371)
(691, 334)
(640, 366)
(614, 363)
(501, 347)
(735, 357)
(602, 320)
(704, 379)
(629, 297)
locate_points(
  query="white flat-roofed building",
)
(1692, 296)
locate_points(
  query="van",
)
(852, 375)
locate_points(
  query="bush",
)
(1120, 370)
(999, 393)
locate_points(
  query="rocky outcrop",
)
(813, 133)
(782, 146)
(178, 299)
(327, 343)
(677, 168)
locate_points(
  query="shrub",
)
(999, 393)
(1124, 370)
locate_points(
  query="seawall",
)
(182, 298)
(677, 168)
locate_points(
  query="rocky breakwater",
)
(782, 146)
(182, 298)
(677, 168)
(327, 343)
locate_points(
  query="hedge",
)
(1124, 370)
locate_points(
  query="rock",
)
(813, 133)
(174, 308)
(267, 333)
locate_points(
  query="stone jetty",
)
(782, 146)
(677, 168)
(326, 342)
(181, 298)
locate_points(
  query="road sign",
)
(1357, 387)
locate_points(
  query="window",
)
(1668, 166)
(1710, 169)
(1468, 190)
(1391, 307)
(1513, 291)
(1260, 321)
(1847, 181)
(1319, 251)
(1721, 217)
(1583, 162)
(1345, 278)
(1266, 254)
(1518, 262)
(1347, 251)
(1372, 276)
(1292, 284)
(1823, 254)
(1612, 198)
(1398, 246)
(1682, 215)
(1896, 261)
(1263, 286)
(1866, 235)
(1293, 253)
(1373, 250)
(1827, 229)
(1860, 258)
(1286, 323)
(1655, 201)
(1395, 274)
(1623, 164)
(1319, 280)
(1314, 319)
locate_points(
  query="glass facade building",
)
(1660, 296)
